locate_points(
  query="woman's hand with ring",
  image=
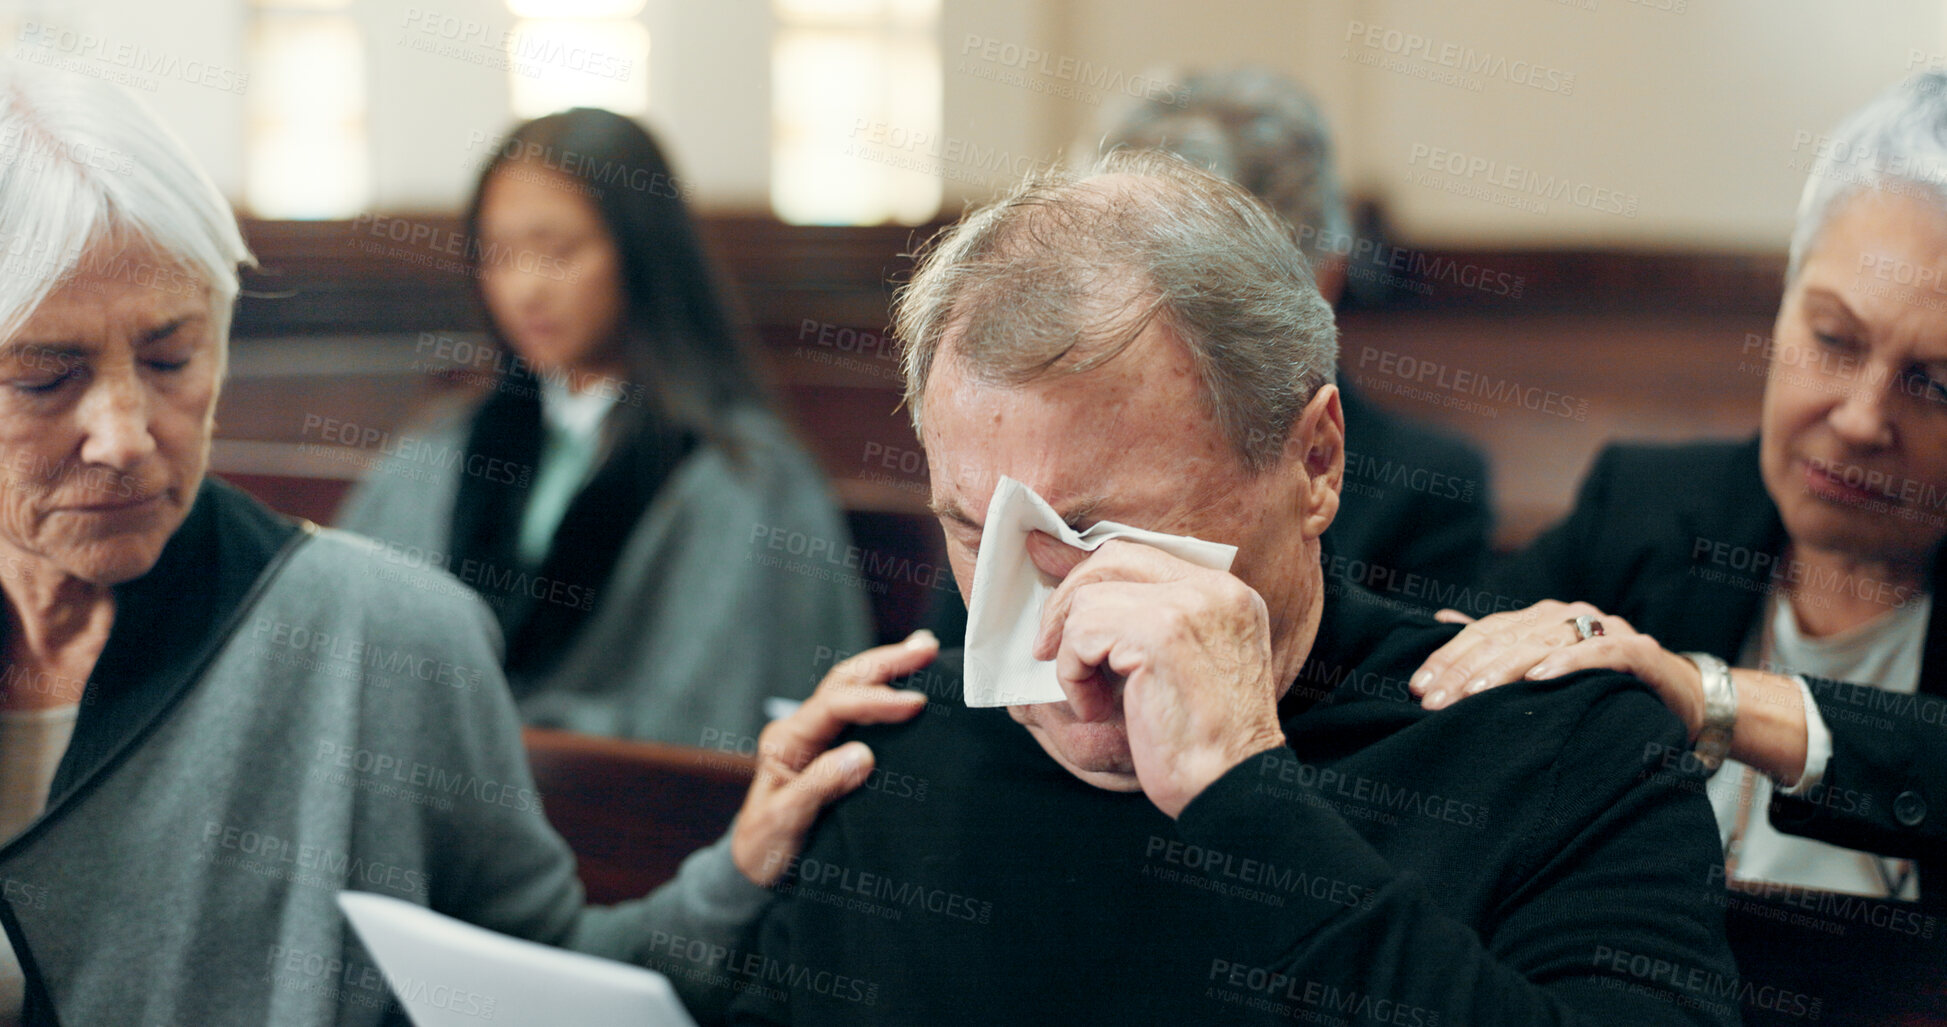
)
(1543, 641)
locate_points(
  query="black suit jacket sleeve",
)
(1884, 786)
(1611, 926)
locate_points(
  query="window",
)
(307, 144)
(577, 53)
(855, 111)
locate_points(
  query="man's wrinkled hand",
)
(1184, 650)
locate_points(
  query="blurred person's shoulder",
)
(1382, 433)
(1656, 500)
(1679, 471)
(765, 445)
(757, 467)
(443, 418)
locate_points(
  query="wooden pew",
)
(632, 810)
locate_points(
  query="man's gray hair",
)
(85, 167)
(1896, 143)
(1258, 129)
(1067, 269)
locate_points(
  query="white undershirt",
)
(1884, 652)
(32, 743)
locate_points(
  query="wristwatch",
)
(1720, 711)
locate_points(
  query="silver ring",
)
(1586, 627)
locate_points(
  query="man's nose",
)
(1051, 557)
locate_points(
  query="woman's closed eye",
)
(1929, 387)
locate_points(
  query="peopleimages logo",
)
(580, 167)
(1085, 75)
(1402, 268)
(39, 152)
(525, 52)
(137, 65)
(1525, 183)
(1444, 385)
(1263, 987)
(948, 156)
(1454, 58)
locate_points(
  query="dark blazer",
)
(1682, 541)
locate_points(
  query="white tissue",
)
(1009, 591)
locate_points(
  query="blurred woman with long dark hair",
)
(615, 494)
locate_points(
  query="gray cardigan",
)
(711, 608)
(351, 731)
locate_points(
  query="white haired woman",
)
(212, 718)
(1746, 582)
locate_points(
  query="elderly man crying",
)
(1237, 813)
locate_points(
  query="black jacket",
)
(1682, 541)
(1505, 862)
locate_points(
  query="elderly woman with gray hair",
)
(1747, 582)
(212, 718)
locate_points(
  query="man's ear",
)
(1315, 455)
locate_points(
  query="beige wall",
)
(1687, 117)
(1691, 114)
(208, 119)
